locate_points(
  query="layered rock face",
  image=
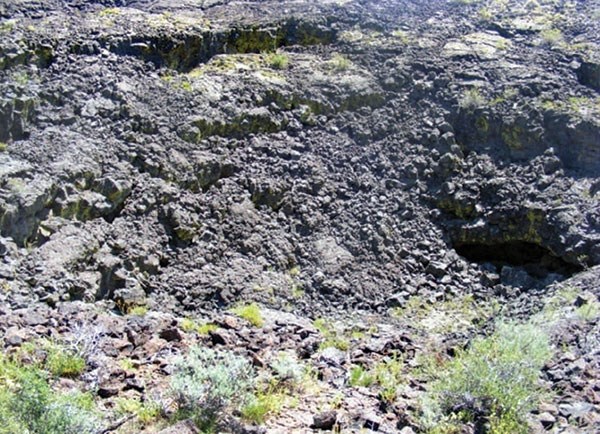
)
(334, 158)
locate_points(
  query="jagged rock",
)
(171, 334)
(482, 45)
(589, 74)
(14, 336)
(547, 420)
(325, 420)
(108, 390)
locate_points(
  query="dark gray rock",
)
(325, 420)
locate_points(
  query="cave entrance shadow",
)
(537, 261)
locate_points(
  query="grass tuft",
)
(263, 405)
(340, 62)
(278, 60)
(360, 377)
(472, 99)
(64, 363)
(251, 313)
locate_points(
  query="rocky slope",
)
(410, 171)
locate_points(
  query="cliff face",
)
(338, 159)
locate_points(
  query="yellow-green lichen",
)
(512, 136)
(482, 124)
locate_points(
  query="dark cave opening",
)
(536, 260)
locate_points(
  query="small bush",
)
(495, 379)
(588, 311)
(332, 338)
(340, 62)
(471, 99)
(146, 412)
(251, 313)
(138, 311)
(64, 363)
(205, 329)
(189, 325)
(127, 364)
(341, 343)
(360, 377)
(288, 369)
(108, 12)
(387, 375)
(207, 382)
(29, 405)
(551, 36)
(278, 60)
(262, 405)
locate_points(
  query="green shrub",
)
(288, 369)
(205, 329)
(189, 325)
(360, 377)
(588, 311)
(251, 313)
(340, 62)
(278, 60)
(29, 405)
(146, 412)
(208, 382)
(339, 342)
(127, 364)
(551, 36)
(138, 311)
(273, 391)
(332, 337)
(109, 12)
(495, 378)
(471, 99)
(63, 362)
(262, 405)
(386, 375)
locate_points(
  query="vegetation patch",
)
(189, 325)
(276, 390)
(251, 313)
(447, 316)
(265, 403)
(138, 310)
(278, 60)
(64, 363)
(339, 62)
(29, 405)
(146, 413)
(208, 384)
(552, 36)
(575, 105)
(385, 374)
(472, 99)
(332, 337)
(494, 381)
